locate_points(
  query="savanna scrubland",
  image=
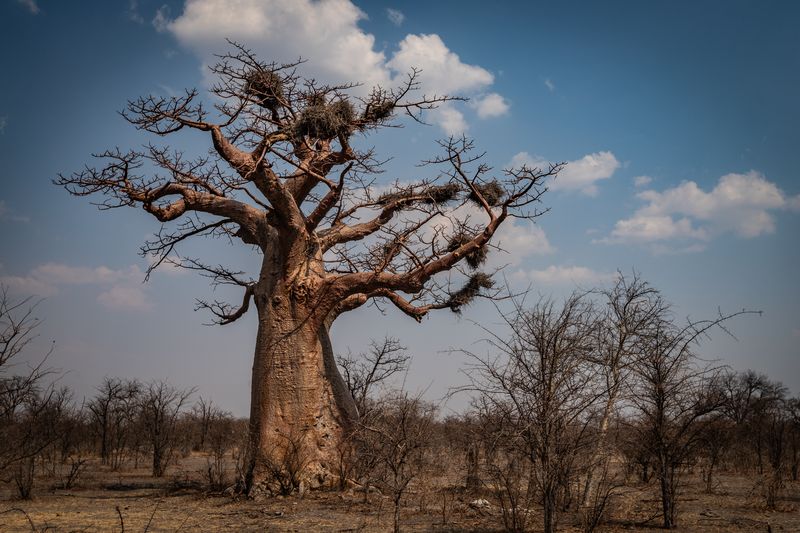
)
(592, 413)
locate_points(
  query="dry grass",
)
(179, 503)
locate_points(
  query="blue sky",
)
(679, 120)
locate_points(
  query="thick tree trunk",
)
(300, 407)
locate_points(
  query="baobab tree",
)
(286, 176)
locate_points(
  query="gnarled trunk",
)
(300, 407)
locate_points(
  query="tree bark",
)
(299, 402)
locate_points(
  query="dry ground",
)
(178, 503)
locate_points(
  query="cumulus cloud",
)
(563, 275)
(743, 204)
(550, 85)
(442, 73)
(442, 69)
(3, 124)
(122, 288)
(518, 240)
(395, 16)
(647, 228)
(328, 35)
(641, 181)
(490, 105)
(451, 120)
(579, 175)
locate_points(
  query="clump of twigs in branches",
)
(265, 87)
(392, 196)
(325, 121)
(434, 194)
(471, 290)
(441, 194)
(475, 258)
(492, 192)
(378, 108)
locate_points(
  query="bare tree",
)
(74, 446)
(672, 397)
(17, 330)
(29, 406)
(219, 440)
(715, 437)
(285, 176)
(398, 436)
(111, 416)
(506, 463)
(37, 426)
(364, 372)
(777, 422)
(362, 375)
(748, 399)
(159, 409)
(629, 310)
(545, 385)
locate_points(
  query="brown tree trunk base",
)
(301, 410)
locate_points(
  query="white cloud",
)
(338, 51)
(641, 181)
(743, 204)
(124, 290)
(561, 275)
(395, 16)
(550, 85)
(124, 298)
(490, 105)
(326, 33)
(518, 239)
(648, 228)
(3, 124)
(451, 120)
(579, 175)
(31, 5)
(161, 19)
(442, 70)
(442, 73)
